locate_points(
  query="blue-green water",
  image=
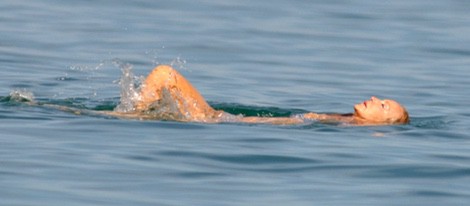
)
(251, 56)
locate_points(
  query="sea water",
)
(267, 58)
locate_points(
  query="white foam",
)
(21, 95)
(129, 89)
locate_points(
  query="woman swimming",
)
(166, 94)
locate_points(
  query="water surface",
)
(257, 57)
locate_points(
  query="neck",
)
(358, 120)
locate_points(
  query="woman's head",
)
(377, 111)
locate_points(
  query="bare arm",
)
(299, 119)
(167, 85)
(273, 120)
(328, 117)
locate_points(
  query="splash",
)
(129, 85)
(21, 95)
(167, 107)
(178, 63)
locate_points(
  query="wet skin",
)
(376, 110)
(191, 103)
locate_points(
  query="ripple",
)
(432, 122)
(66, 78)
(452, 157)
(417, 172)
(433, 193)
(450, 51)
(142, 158)
(247, 162)
(261, 140)
(250, 110)
(199, 174)
(260, 159)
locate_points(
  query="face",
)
(376, 110)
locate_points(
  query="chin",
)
(357, 108)
(356, 112)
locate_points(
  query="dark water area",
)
(273, 58)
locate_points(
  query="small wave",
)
(434, 122)
(417, 171)
(250, 110)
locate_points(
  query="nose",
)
(373, 98)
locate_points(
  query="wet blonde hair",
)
(404, 119)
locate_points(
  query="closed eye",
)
(385, 106)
